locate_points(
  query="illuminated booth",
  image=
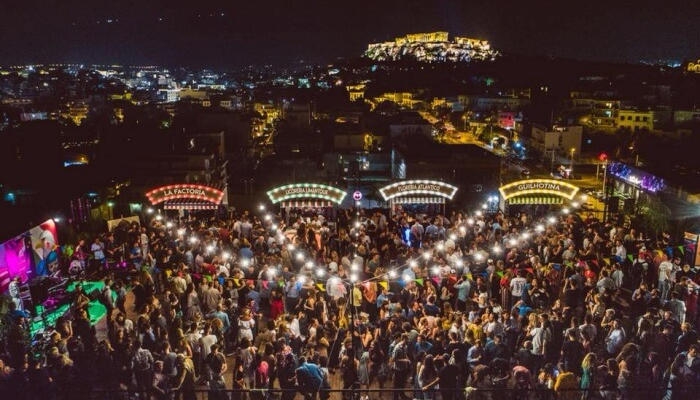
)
(306, 198)
(538, 193)
(430, 196)
(189, 197)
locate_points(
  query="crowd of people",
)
(466, 305)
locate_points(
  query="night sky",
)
(234, 32)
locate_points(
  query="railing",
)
(470, 393)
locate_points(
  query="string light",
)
(226, 255)
(453, 237)
(320, 272)
(262, 207)
(193, 239)
(436, 270)
(426, 256)
(392, 274)
(168, 224)
(301, 279)
(552, 220)
(440, 246)
(354, 277)
(413, 263)
(268, 217)
(470, 221)
(309, 264)
(245, 262)
(539, 228)
(496, 249)
(300, 256)
(159, 217)
(565, 210)
(210, 248)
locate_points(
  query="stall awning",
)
(306, 203)
(418, 200)
(190, 205)
(535, 200)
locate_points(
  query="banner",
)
(46, 248)
(113, 223)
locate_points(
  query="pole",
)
(605, 193)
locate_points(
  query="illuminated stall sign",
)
(538, 186)
(306, 191)
(636, 177)
(185, 191)
(416, 187)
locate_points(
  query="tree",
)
(652, 215)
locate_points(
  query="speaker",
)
(39, 289)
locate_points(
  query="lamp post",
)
(571, 170)
(110, 204)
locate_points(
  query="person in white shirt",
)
(615, 339)
(517, 287)
(665, 269)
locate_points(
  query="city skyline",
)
(220, 33)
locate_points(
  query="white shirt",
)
(517, 285)
(665, 269)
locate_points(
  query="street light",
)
(571, 170)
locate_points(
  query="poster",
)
(45, 245)
(37, 247)
(15, 260)
(691, 255)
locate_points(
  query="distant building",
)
(432, 47)
(636, 120)
(558, 139)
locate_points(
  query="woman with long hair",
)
(588, 368)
